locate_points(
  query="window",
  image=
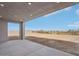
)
(13, 31)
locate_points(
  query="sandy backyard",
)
(71, 38)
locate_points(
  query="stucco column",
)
(3, 31)
(22, 30)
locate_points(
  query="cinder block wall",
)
(3, 31)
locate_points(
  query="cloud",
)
(68, 8)
(51, 13)
(77, 12)
(75, 24)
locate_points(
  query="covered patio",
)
(21, 12)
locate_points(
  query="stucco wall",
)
(3, 31)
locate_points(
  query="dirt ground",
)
(67, 43)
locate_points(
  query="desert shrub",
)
(69, 32)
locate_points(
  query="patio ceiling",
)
(24, 11)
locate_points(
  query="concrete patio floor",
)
(28, 48)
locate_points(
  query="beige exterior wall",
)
(3, 31)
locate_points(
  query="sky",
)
(65, 19)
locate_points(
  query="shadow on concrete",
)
(66, 46)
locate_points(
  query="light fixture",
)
(2, 5)
(57, 2)
(29, 3)
(31, 15)
(0, 16)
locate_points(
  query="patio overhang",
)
(25, 11)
